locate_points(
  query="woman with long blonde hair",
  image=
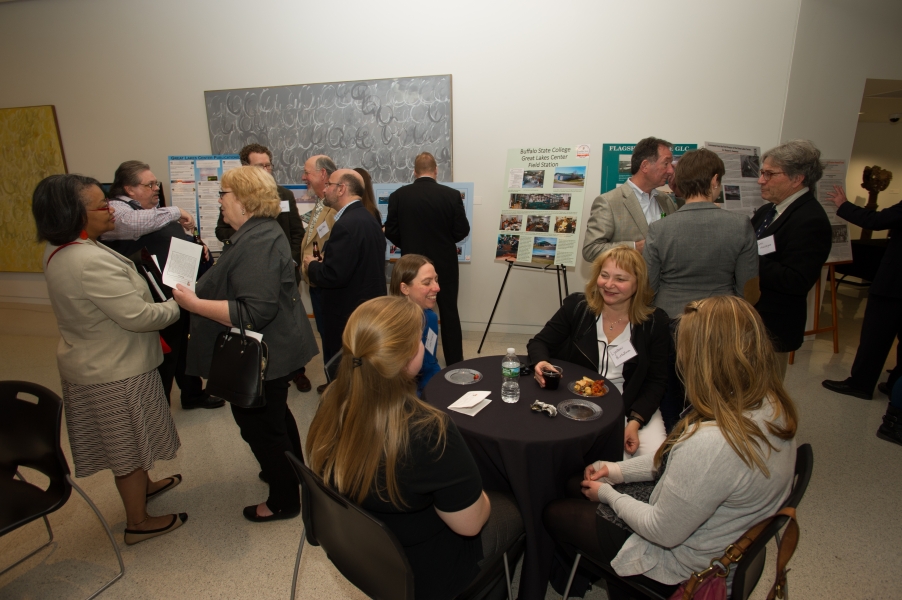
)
(403, 460)
(728, 464)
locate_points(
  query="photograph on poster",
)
(508, 245)
(540, 201)
(731, 192)
(393, 249)
(749, 165)
(544, 250)
(539, 223)
(511, 222)
(383, 199)
(625, 165)
(533, 179)
(840, 234)
(565, 225)
(569, 177)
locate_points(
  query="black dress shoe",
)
(302, 383)
(250, 513)
(883, 388)
(843, 387)
(263, 476)
(205, 401)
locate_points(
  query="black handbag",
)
(238, 367)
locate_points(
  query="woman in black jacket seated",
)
(614, 330)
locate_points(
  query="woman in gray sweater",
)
(727, 465)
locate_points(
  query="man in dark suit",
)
(351, 269)
(883, 313)
(428, 218)
(794, 240)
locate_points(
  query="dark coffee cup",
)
(553, 378)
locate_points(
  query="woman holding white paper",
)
(414, 277)
(614, 330)
(116, 411)
(256, 268)
(405, 461)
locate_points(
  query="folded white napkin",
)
(471, 403)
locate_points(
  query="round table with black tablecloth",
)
(530, 454)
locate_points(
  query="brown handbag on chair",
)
(711, 584)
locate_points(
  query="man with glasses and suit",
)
(622, 215)
(794, 240)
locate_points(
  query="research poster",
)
(464, 248)
(741, 192)
(834, 175)
(541, 210)
(615, 162)
(194, 186)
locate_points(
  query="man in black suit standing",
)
(794, 240)
(351, 269)
(428, 218)
(883, 313)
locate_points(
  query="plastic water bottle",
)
(510, 368)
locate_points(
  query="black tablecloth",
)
(530, 454)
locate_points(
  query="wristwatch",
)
(637, 419)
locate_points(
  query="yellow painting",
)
(30, 150)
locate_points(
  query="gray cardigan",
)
(699, 251)
(257, 268)
(706, 498)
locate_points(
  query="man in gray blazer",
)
(622, 215)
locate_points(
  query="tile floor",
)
(848, 545)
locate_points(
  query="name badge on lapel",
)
(766, 245)
(322, 230)
(284, 205)
(621, 354)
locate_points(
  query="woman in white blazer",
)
(116, 412)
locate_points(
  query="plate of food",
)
(463, 376)
(588, 388)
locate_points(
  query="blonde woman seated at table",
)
(700, 250)
(403, 460)
(414, 277)
(727, 465)
(614, 330)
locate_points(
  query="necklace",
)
(611, 326)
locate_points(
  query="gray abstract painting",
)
(378, 124)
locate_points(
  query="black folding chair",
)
(748, 570)
(30, 437)
(362, 548)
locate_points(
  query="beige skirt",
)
(123, 425)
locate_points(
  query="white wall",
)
(127, 78)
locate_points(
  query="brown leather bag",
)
(711, 584)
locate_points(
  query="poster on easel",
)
(741, 192)
(542, 207)
(616, 163)
(382, 191)
(834, 175)
(194, 184)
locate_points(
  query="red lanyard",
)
(49, 258)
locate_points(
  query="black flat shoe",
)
(205, 401)
(843, 387)
(133, 536)
(263, 476)
(250, 513)
(173, 482)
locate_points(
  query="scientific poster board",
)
(30, 150)
(741, 192)
(464, 248)
(834, 175)
(539, 220)
(615, 162)
(194, 186)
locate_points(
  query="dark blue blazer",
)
(352, 270)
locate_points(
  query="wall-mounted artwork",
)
(378, 124)
(30, 150)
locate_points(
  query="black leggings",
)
(575, 527)
(270, 431)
